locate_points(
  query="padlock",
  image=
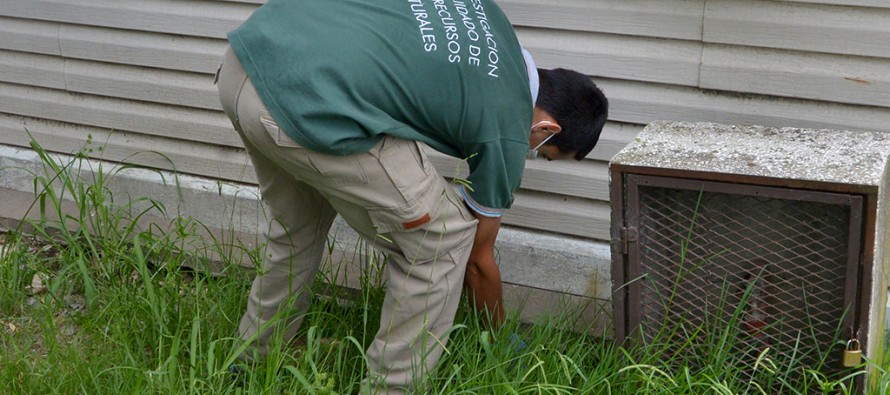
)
(852, 354)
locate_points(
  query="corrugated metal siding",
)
(136, 76)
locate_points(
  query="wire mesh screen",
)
(758, 270)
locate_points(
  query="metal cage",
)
(768, 267)
(757, 261)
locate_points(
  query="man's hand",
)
(483, 278)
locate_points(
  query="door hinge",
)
(629, 235)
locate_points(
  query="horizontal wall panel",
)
(31, 69)
(581, 179)
(137, 83)
(586, 179)
(195, 54)
(126, 115)
(28, 35)
(179, 155)
(193, 18)
(258, 2)
(643, 103)
(143, 84)
(614, 138)
(835, 78)
(799, 26)
(653, 18)
(862, 3)
(614, 56)
(137, 48)
(560, 214)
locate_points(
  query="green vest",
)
(337, 75)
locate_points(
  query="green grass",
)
(125, 312)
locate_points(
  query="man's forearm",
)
(483, 278)
(483, 285)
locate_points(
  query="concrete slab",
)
(847, 157)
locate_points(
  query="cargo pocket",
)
(419, 196)
(415, 207)
(280, 138)
(429, 228)
(406, 166)
(411, 216)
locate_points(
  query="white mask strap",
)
(533, 153)
(545, 141)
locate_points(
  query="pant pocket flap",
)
(414, 215)
(407, 218)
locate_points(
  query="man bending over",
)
(333, 99)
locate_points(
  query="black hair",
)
(578, 106)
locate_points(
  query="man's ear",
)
(548, 126)
(542, 121)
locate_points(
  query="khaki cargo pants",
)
(391, 196)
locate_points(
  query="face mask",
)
(533, 153)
